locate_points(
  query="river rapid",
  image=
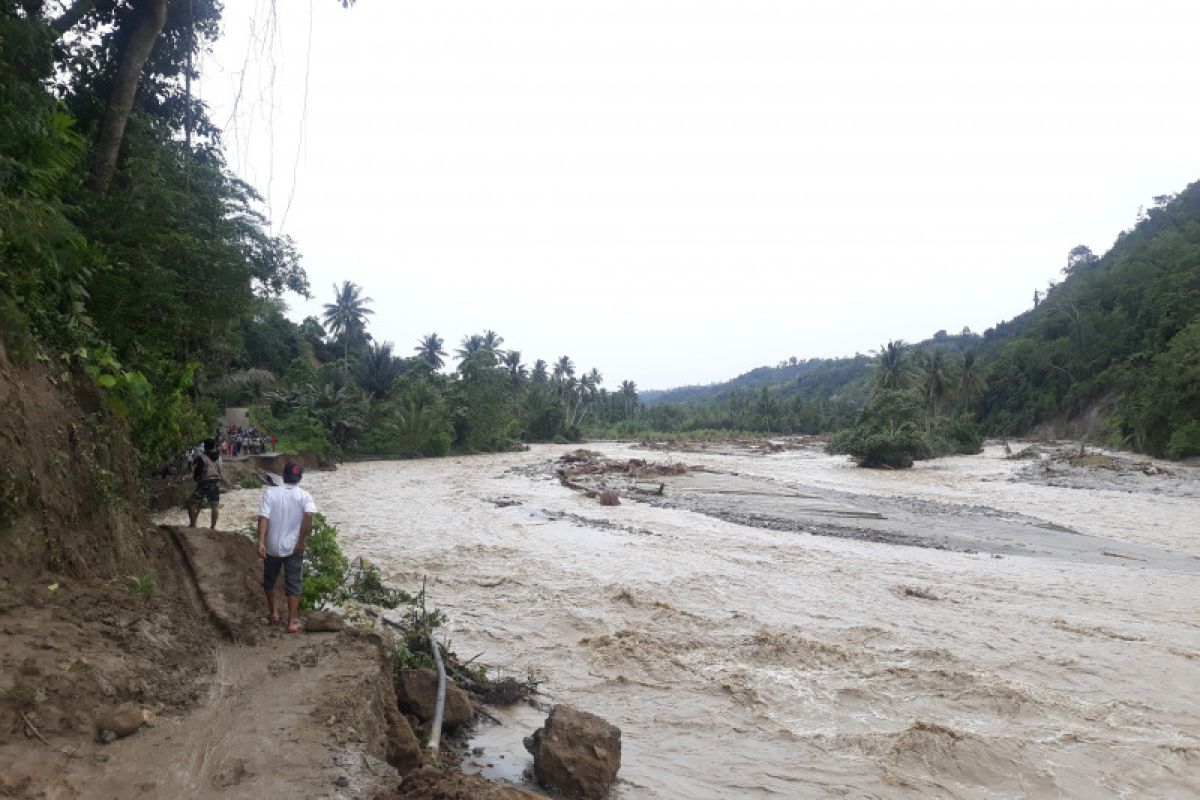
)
(740, 661)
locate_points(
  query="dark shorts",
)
(293, 573)
(207, 493)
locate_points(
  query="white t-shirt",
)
(285, 507)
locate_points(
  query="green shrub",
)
(879, 447)
(142, 586)
(366, 586)
(960, 436)
(1185, 441)
(325, 567)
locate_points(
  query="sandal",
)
(273, 620)
(293, 627)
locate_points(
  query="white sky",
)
(676, 192)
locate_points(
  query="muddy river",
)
(787, 625)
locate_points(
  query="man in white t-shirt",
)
(284, 522)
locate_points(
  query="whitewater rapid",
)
(744, 662)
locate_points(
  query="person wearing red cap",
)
(284, 522)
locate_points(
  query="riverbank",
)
(210, 701)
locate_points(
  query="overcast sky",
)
(676, 192)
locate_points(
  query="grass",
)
(142, 586)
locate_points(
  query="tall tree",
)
(935, 380)
(969, 382)
(469, 346)
(429, 349)
(492, 341)
(378, 369)
(893, 370)
(540, 372)
(564, 368)
(346, 315)
(517, 372)
(630, 395)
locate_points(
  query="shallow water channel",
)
(1029, 638)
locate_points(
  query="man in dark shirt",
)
(207, 474)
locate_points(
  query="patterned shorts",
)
(207, 493)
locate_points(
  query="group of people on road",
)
(238, 440)
(285, 518)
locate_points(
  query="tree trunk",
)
(149, 19)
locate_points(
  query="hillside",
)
(1119, 331)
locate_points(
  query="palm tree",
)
(378, 369)
(517, 371)
(629, 392)
(893, 366)
(492, 341)
(429, 349)
(935, 380)
(564, 368)
(347, 314)
(969, 382)
(539, 374)
(469, 346)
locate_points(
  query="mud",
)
(744, 661)
(239, 709)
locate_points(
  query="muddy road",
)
(1029, 635)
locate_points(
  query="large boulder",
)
(575, 753)
(416, 693)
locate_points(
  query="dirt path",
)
(302, 715)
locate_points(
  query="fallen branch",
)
(33, 729)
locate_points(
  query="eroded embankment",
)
(235, 708)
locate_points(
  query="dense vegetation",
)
(1118, 336)
(131, 258)
(344, 394)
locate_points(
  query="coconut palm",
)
(469, 346)
(893, 366)
(517, 372)
(492, 341)
(564, 368)
(969, 381)
(540, 374)
(630, 395)
(429, 349)
(935, 379)
(347, 314)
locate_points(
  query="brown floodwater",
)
(1051, 650)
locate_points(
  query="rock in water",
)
(322, 621)
(122, 721)
(416, 692)
(575, 753)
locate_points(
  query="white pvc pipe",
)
(435, 732)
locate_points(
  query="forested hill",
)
(1122, 330)
(1119, 333)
